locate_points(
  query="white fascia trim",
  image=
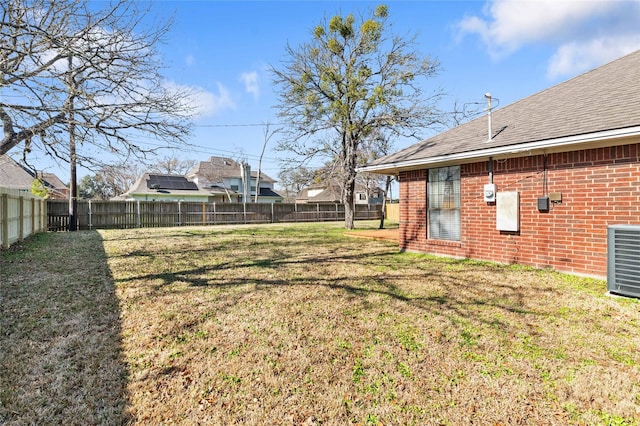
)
(509, 150)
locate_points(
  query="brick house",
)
(559, 166)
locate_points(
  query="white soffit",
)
(569, 143)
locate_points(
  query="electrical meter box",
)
(490, 192)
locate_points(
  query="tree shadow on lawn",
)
(61, 358)
(460, 290)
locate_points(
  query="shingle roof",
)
(12, 175)
(144, 185)
(223, 167)
(53, 180)
(604, 99)
(268, 192)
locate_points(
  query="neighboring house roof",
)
(54, 181)
(15, 176)
(268, 192)
(155, 183)
(221, 168)
(327, 193)
(599, 105)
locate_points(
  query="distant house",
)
(57, 189)
(165, 187)
(230, 181)
(332, 193)
(15, 176)
(539, 184)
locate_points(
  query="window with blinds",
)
(443, 199)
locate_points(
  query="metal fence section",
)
(147, 214)
(21, 215)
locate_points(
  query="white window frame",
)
(443, 204)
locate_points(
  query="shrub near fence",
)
(147, 214)
(21, 214)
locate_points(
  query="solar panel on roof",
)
(170, 182)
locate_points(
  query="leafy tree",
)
(93, 188)
(351, 79)
(38, 188)
(67, 64)
(377, 145)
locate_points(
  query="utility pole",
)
(73, 191)
(245, 171)
(267, 136)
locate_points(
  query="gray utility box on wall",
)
(623, 260)
(508, 211)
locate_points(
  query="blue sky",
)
(509, 48)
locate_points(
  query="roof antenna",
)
(488, 96)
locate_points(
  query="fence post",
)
(21, 218)
(139, 220)
(4, 199)
(273, 215)
(244, 213)
(214, 213)
(90, 213)
(44, 211)
(179, 213)
(295, 209)
(33, 216)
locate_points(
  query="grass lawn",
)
(301, 325)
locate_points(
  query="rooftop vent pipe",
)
(488, 96)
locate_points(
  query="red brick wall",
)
(599, 187)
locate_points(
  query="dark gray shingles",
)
(606, 98)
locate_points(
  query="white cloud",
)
(581, 56)
(210, 104)
(205, 103)
(585, 33)
(251, 83)
(189, 60)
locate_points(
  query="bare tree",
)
(66, 64)
(173, 165)
(295, 179)
(349, 80)
(267, 136)
(110, 181)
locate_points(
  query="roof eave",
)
(585, 141)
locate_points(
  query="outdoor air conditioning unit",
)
(623, 260)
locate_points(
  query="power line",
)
(239, 125)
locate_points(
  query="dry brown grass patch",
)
(301, 325)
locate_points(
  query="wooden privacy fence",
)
(392, 212)
(146, 214)
(21, 214)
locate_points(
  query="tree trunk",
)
(73, 191)
(387, 188)
(349, 207)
